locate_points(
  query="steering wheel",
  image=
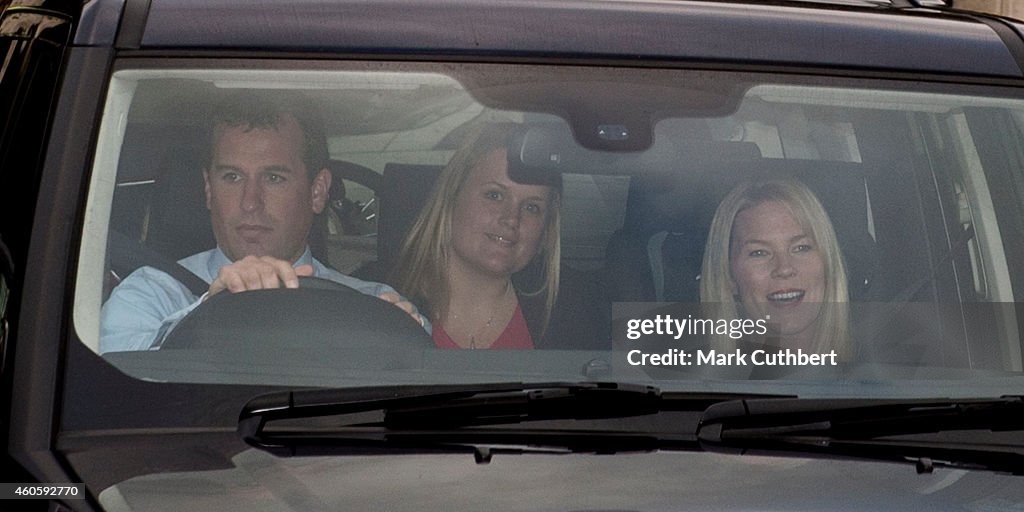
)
(319, 315)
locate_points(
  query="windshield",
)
(700, 230)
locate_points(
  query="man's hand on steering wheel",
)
(267, 272)
(257, 273)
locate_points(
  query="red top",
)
(515, 336)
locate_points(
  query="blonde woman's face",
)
(778, 270)
(497, 224)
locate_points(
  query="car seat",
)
(404, 190)
(656, 255)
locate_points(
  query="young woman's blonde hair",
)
(421, 269)
(718, 288)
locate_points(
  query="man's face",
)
(260, 195)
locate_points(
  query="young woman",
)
(478, 229)
(772, 254)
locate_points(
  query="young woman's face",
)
(778, 270)
(497, 224)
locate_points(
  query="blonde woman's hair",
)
(717, 284)
(421, 269)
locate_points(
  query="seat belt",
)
(126, 253)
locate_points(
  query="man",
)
(266, 178)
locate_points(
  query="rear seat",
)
(656, 255)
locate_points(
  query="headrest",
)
(179, 222)
(659, 201)
(403, 193)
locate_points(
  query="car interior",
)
(635, 222)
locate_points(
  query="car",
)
(784, 256)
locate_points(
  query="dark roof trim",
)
(133, 24)
(693, 30)
(98, 24)
(1010, 35)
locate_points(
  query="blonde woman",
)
(772, 254)
(477, 230)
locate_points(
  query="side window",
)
(351, 234)
(32, 43)
(976, 222)
(594, 207)
(975, 216)
(791, 131)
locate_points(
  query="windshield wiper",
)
(614, 418)
(476, 418)
(970, 434)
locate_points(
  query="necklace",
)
(472, 337)
(490, 320)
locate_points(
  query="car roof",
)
(868, 36)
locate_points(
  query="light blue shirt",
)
(149, 303)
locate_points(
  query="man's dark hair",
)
(253, 109)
